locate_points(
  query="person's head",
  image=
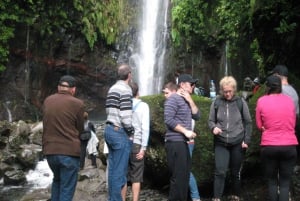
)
(85, 116)
(169, 88)
(67, 83)
(280, 70)
(186, 82)
(256, 81)
(228, 87)
(273, 84)
(124, 72)
(135, 88)
(248, 84)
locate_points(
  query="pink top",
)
(276, 118)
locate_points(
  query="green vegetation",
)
(270, 28)
(50, 20)
(203, 157)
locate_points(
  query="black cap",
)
(281, 70)
(273, 81)
(71, 81)
(186, 78)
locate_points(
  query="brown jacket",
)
(62, 123)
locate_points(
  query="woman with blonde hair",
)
(230, 123)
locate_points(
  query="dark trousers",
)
(93, 159)
(179, 163)
(232, 157)
(83, 145)
(279, 162)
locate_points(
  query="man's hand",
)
(190, 134)
(140, 155)
(129, 131)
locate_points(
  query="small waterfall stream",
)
(149, 56)
(6, 106)
(39, 178)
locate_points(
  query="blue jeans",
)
(192, 182)
(119, 147)
(65, 170)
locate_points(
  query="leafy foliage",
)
(52, 20)
(8, 17)
(272, 27)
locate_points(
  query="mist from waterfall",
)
(149, 58)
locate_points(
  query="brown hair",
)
(85, 115)
(171, 86)
(135, 88)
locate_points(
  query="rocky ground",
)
(92, 186)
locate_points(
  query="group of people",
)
(250, 87)
(127, 133)
(230, 122)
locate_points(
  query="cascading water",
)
(6, 106)
(148, 59)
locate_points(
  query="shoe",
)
(234, 198)
(216, 199)
(196, 199)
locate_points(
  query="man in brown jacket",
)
(62, 123)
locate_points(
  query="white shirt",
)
(140, 122)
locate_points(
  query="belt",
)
(116, 128)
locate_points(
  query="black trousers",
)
(83, 152)
(279, 162)
(228, 157)
(179, 164)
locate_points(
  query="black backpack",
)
(86, 134)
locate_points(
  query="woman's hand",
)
(217, 131)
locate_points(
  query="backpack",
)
(86, 134)
(238, 101)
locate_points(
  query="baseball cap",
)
(186, 78)
(281, 70)
(273, 81)
(68, 79)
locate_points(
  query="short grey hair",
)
(123, 71)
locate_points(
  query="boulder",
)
(14, 177)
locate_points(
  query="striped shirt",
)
(177, 111)
(119, 105)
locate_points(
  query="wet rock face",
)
(17, 154)
(14, 177)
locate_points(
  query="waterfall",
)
(226, 58)
(225, 68)
(6, 104)
(27, 70)
(149, 57)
